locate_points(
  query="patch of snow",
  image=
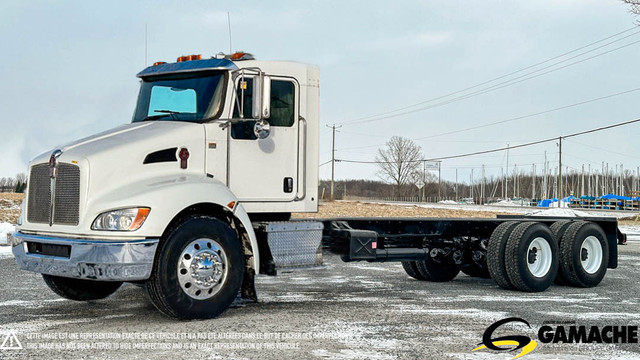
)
(518, 203)
(350, 354)
(450, 202)
(559, 212)
(5, 228)
(5, 252)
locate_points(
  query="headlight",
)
(121, 220)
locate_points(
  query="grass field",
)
(10, 210)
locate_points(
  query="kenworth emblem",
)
(53, 165)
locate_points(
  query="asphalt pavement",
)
(341, 311)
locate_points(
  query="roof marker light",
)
(189, 58)
(158, 63)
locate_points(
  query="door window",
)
(282, 108)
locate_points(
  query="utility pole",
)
(482, 193)
(424, 179)
(582, 187)
(333, 156)
(533, 182)
(457, 183)
(471, 186)
(559, 170)
(506, 176)
(439, 178)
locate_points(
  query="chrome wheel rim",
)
(202, 268)
(539, 257)
(591, 254)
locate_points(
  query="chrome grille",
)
(38, 207)
(67, 195)
(67, 200)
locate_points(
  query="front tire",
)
(79, 289)
(198, 270)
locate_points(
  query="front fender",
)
(167, 197)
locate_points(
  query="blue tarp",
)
(615, 197)
(546, 202)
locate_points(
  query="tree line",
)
(16, 184)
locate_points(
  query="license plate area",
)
(49, 249)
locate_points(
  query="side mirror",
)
(261, 97)
(262, 129)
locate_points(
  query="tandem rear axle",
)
(523, 253)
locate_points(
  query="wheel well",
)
(219, 212)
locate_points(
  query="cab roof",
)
(188, 66)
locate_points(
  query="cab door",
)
(265, 169)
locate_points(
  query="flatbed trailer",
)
(526, 253)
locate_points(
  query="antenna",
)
(229, 22)
(145, 44)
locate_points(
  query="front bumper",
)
(104, 260)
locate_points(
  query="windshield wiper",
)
(154, 117)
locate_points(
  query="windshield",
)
(176, 97)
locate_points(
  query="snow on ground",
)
(5, 252)
(632, 231)
(5, 228)
(515, 209)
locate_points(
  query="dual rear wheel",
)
(529, 256)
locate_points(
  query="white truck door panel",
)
(260, 168)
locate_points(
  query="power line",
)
(504, 76)
(504, 148)
(509, 119)
(493, 87)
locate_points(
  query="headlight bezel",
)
(122, 219)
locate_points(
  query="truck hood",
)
(113, 158)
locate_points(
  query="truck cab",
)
(217, 149)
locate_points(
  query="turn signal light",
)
(189, 58)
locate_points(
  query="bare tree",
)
(3, 183)
(634, 6)
(21, 177)
(399, 161)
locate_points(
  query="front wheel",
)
(198, 270)
(79, 289)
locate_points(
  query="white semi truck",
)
(193, 198)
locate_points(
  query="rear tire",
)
(531, 257)
(476, 271)
(584, 254)
(411, 269)
(558, 228)
(436, 271)
(198, 270)
(495, 254)
(80, 289)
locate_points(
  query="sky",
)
(68, 70)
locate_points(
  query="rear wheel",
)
(495, 254)
(584, 254)
(437, 271)
(474, 270)
(411, 269)
(531, 257)
(558, 228)
(198, 270)
(79, 289)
